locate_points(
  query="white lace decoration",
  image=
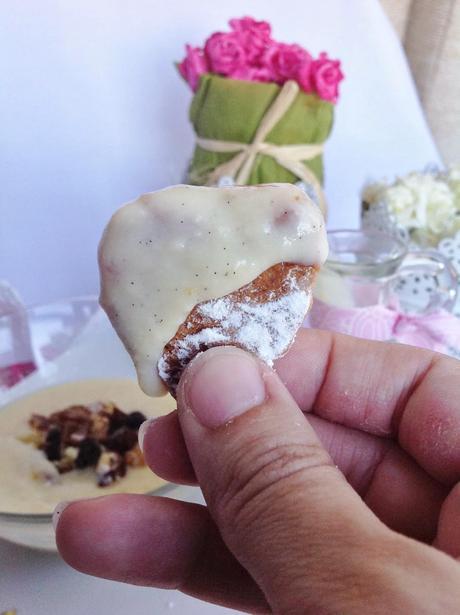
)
(450, 248)
(414, 290)
(378, 218)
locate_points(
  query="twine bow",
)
(291, 157)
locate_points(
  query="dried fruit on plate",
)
(98, 436)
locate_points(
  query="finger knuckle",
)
(258, 472)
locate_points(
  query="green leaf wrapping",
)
(231, 110)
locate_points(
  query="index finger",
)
(390, 390)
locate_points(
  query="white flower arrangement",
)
(426, 205)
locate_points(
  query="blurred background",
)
(93, 112)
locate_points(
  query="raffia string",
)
(291, 157)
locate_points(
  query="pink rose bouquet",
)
(254, 98)
(249, 53)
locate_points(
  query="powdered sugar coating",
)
(266, 329)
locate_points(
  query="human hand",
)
(283, 530)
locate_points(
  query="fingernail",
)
(142, 431)
(222, 384)
(58, 512)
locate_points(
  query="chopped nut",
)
(36, 438)
(99, 427)
(108, 406)
(71, 452)
(79, 414)
(78, 437)
(64, 465)
(74, 432)
(99, 406)
(67, 461)
(134, 457)
(111, 465)
(39, 422)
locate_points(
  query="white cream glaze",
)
(170, 250)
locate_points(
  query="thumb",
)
(282, 507)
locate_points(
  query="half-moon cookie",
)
(187, 268)
(262, 317)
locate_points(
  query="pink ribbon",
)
(439, 330)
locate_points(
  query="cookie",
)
(189, 267)
(262, 317)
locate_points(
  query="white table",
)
(38, 583)
(41, 583)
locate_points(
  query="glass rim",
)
(366, 266)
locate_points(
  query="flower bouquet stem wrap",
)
(258, 132)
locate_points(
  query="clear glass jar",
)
(366, 268)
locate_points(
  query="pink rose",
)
(255, 36)
(326, 76)
(193, 66)
(252, 73)
(304, 74)
(285, 61)
(225, 53)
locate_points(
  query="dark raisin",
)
(88, 453)
(135, 419)
(52, 446)
(117, 419)
(121, 440)
(121, 469)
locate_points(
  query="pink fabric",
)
(439, 331)
(16, 355)
(12, 374)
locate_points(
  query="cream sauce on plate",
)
(23, 468)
